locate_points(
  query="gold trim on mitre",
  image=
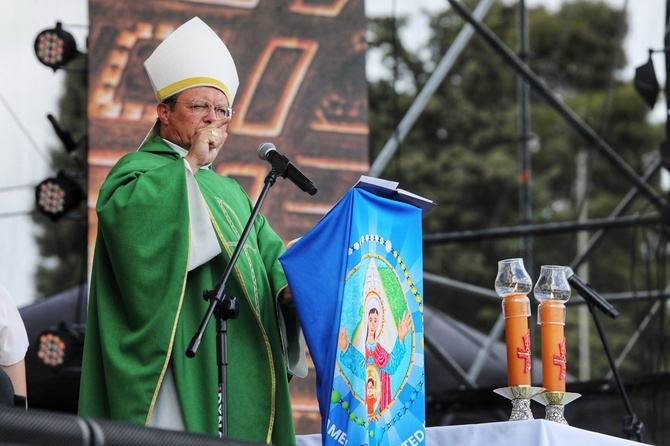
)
(193, 55)
(184, 84)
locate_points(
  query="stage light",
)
(55, 47)
(646, 83)
(56, 196)
(52, 350)
(61, 345)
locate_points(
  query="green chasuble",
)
(145, 306)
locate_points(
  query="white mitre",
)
(193, 55)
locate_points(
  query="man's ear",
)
(163, 111)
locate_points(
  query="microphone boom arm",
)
(589, 294)
(633, 427)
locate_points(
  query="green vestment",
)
(145, 307)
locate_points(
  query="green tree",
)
(63, 242)
(463, 154)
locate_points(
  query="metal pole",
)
(623, 206)
(567, 113)
(427, 92)
(538, 229)
(524, 127)
(583, 318)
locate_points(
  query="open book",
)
(390, 189)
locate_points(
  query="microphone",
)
(588, 293)
(268, 152)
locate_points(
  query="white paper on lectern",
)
(389, 189)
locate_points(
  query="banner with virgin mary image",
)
(357, 281)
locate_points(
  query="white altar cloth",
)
(507, 433)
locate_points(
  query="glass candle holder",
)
(513, 283)
(552, 290)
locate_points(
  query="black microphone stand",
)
(633, 428)
(225, 307)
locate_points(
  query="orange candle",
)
(552, 321)
(516, 309)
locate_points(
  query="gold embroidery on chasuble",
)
(234, 223)
(169, 351)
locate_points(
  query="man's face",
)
(179, 124)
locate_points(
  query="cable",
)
(25, 132)
(16, 214)
(20, 186)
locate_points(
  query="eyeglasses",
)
(201, 108)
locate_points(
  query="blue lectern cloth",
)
(357, 282)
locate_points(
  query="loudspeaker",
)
(44, 428)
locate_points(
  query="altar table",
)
(507, 433)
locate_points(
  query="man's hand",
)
(206, 144)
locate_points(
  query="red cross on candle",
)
(553, 345)
(524, 352)
(517, 338)
(560, 360)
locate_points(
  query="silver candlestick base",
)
(554, 403)
(520, 397)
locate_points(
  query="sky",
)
(29, 91)
(645, 20)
